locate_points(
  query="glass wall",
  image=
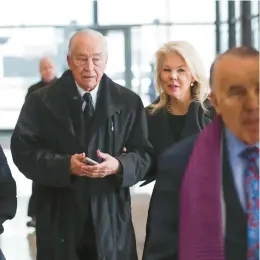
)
(255, 6)
(45, 27)
(237, 20)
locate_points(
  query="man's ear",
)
(214, 102)
(68, 60)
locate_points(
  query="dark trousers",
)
(32, 201)
(87, 249)
(87, 253)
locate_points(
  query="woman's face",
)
(175, 76)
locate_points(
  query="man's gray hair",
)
(91, 33)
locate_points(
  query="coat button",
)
(62, 241)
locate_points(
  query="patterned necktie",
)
(252, 195)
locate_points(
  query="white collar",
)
(92, 92)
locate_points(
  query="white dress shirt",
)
(93, 94)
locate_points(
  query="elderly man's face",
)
(87, 61)
(236, 95)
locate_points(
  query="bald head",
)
(238, 52)
(89, 37)
(235, 92)
(47, 69)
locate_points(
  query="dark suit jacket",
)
(8, 202)
(161, 241)
(161, 136)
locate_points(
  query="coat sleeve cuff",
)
(127, 172)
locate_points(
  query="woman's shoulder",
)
(150, 108)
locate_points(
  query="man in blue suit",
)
(8, 200)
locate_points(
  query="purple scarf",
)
(201, 231)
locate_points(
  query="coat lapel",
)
(108, 103)
(63, 101)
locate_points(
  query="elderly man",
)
(8, 201)
(83, 211)
(205, 203)
(47, 72)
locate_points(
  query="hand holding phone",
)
(90, 161)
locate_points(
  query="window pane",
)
(255, 7)
(116, 56)
(223, 10)
(147, 11)
(238, 33)
(224, 37)
(255, 30)
(238, 9)
(47, 12)
(149, 38)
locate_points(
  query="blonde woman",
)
(183, 107)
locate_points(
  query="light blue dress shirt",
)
(238, 163)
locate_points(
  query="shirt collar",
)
(235, 145)
(92, 92)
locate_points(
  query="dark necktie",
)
(252, 196)
(88, 116)
(89, 108)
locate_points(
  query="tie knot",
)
(251, 153)
(87, 97)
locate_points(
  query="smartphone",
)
(90, 161)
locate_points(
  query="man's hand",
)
(110, 165)
(76, 164)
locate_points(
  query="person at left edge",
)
(8, 200)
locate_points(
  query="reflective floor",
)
(18, 241)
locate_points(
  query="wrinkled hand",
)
(76, 164)
(110, 165)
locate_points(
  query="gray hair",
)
(88, 33)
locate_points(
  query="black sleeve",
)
(161, 241)
(30, 154)
(8, 201)
(137, 161)
(162, 224)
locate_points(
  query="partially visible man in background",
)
(8, 201)
(47, 72)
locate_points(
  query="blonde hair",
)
(200, 90)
